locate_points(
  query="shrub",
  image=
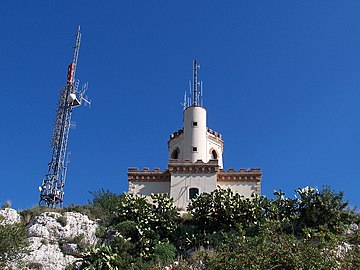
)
(270, 250)
(322, 210)
(108, 257)
(13, 243)
(62, 220)
(104, 205)
(163, 254)
(128, 229)
(223, 209)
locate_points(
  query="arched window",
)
(193, 192)
(175, 153)
(214, 155)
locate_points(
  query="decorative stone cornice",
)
(252, 175)
(187, 167)
(146, 175)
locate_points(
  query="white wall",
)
(243, 188)
(181, 184)
(146, 188)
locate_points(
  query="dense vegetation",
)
(223, 230)
(220, 230)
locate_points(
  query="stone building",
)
(195, 162)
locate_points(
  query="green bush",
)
(128, 229)
(278, 251)
(113, 257)
(62, 220)
(13, 243)
(322, 210)
(223, 209)
(104, 205)
(163, 254)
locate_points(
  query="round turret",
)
(194, 144)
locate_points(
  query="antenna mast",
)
(196, 95)
(195, 83)
(51, 190)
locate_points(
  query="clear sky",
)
(281, 83)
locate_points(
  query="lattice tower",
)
(52, 188)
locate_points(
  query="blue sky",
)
(281, 83)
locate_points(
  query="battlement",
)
(181, 132)
(144, 170)
(214, 133)
(199, 167)
(146, 175)
(176, 134)
(242, 175)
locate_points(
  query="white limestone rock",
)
(58, 240)
(46, 255)
(69, 227)
(10, 216)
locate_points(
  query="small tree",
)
(324, 210)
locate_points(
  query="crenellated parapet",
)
(180, 132)
(214, 133)
(146, 175)
(242, 175)
(176, 134)
(198, 167)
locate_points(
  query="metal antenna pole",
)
(195, 66)
(51, 190)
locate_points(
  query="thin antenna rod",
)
(195, 83)
(73, 65)
(201, 94)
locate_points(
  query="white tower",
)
(195, 141)
(195, 161)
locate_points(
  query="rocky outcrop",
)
(69, 227)
(56, 241)
(9, 216)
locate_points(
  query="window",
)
(193, 192)
(175, 153)
(214, 154)
(194, 149)
(194, 124)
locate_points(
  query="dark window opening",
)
(175, 154)
(193, 192)
(194, 149)
(194, 124)
(214, 155)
